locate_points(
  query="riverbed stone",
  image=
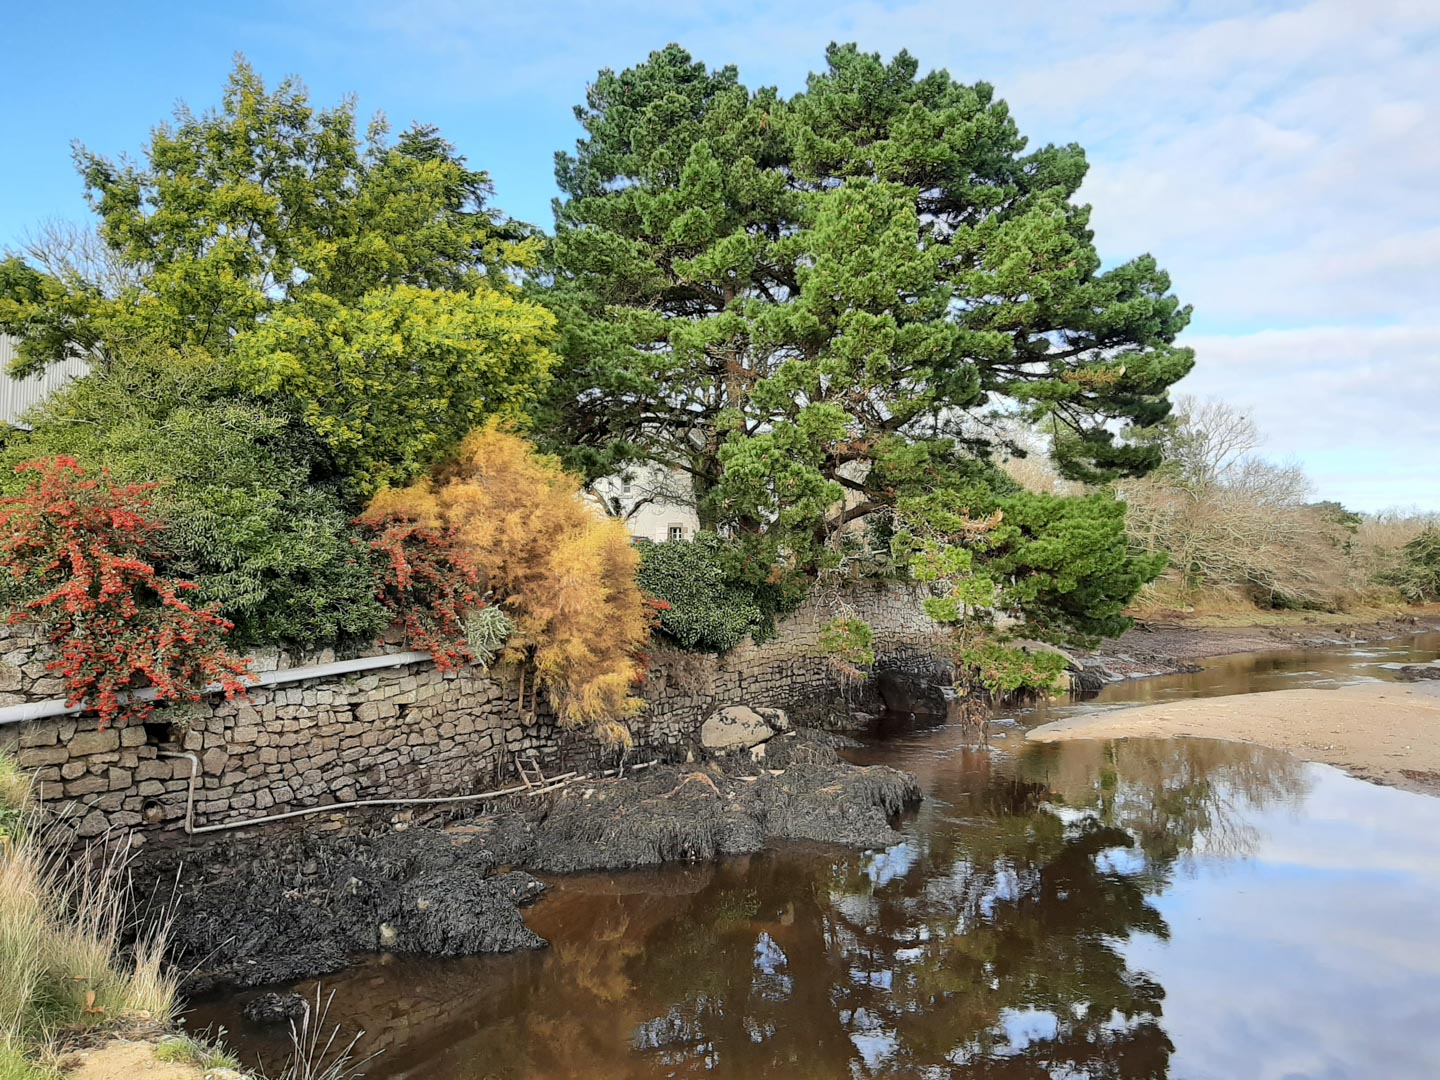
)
(736, 727)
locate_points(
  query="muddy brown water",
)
(1184, 909)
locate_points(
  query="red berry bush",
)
(79, 553)
(426, 585)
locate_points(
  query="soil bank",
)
(1388, 733)
(132, 1059)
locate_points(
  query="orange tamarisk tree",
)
(564, 574)
(78, 553)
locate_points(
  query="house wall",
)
(651, 500)
(18, 396)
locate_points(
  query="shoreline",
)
(1172, 645)
(1381, 732)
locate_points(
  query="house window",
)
(675, 532)
(625, 485)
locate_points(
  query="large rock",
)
(735, 728)
(904, 693)
(273, 1008)
(1417, 672)
(776, 718)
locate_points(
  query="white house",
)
(655, 502)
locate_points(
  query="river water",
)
(1177, 909)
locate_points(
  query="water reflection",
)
(1021, 929)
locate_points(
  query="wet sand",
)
(1387, 733)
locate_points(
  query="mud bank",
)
(1170, 648)
(283, 906)
(1382, 732)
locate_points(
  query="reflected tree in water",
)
(991, 943)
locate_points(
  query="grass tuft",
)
(75, 954)
(195, 1050)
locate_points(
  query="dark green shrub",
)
(1417, 574)
(251, 517)
(711, 609)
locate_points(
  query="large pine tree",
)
(807, 304)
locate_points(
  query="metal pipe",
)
(191, 829)
(555, 783)
(194, 775)
(41, 710)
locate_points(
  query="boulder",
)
(737, 727)
(776, 718)
(1417, 672)
(275, 1008)
(904, 693)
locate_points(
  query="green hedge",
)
(711, 608)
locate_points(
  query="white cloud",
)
(1356, 404)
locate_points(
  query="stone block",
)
(85, 743)
(72, 770)
(118, 779)
(86, 785)
(37, 756)
(153, 770)
(93, 824)
(214, 760)
(132, 735)
(40, 733)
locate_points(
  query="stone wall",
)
(402, 732)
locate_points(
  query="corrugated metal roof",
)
(18, 396)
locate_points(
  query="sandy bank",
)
(124, 1059)
(1387, 733)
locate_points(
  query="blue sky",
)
(1280, 159)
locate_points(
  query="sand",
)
(1387, 733)
(122, 1059)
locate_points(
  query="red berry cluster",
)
(427, 585)
(81, 550)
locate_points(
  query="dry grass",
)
(74, 953)
(14, 786)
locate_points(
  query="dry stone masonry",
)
(402, 732)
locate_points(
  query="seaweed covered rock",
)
(800, 789)
(272, 1008)
(290, 906)
(902, 692)
(282, 906)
